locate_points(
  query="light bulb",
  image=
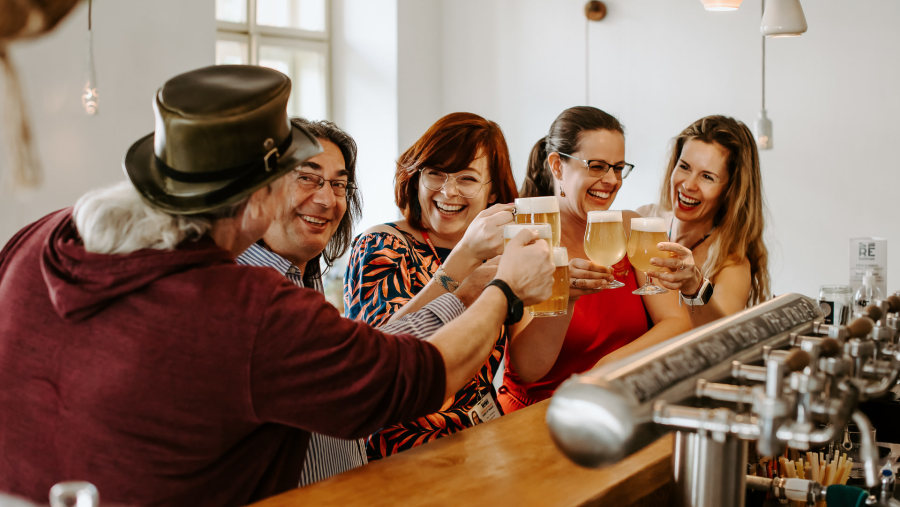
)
(90, 99)
(763, 131)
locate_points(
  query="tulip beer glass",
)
(539, 210)
(645, 234)
(604, 240)
(559, 298)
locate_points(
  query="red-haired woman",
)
(444, 185)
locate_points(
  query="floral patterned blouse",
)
(385, 272)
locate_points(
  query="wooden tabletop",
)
(508, 461)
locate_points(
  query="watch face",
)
(707, 293)
(516, 310)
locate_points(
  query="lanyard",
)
(437, 258)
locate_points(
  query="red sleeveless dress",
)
(601, 323)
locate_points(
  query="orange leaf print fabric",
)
(384, 273)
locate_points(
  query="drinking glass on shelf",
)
(604, 240)
(645, 234)
(559, 298)
(539, 210)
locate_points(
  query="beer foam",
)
(544, 231)
(560, 256)
(529, 205)
(648, 224)
(604, 216)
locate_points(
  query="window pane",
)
(302, 14)
(308, 71)
(231, 52)
(231, 10)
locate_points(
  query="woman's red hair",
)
(450, 145)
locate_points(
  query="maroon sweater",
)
(179, 377)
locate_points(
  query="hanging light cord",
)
(89, 14)
(587, 62)
(763, 3)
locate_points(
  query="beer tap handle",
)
(829, 347)
(874, 312)
(796, 360)
(860, 327)
(893, 303)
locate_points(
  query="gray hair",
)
(116, 220)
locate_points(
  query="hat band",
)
(269, 161)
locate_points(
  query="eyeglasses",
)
(599, 168)
(310, 181)
(467, 185)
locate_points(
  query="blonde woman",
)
(712, 196)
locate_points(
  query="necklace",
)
(698, 243)
(695, 245)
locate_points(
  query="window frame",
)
(256, 35)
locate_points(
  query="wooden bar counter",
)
(508, 461)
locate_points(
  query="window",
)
(291, 36)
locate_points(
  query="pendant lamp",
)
(763, 125)
(783, 18)
(89, 98)
(721, 5)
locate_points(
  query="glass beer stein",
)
(559, 298)
(539, 210)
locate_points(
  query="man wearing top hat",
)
(135, 353)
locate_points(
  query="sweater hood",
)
(81, 283)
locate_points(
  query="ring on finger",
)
(575, 283)
(681, 268)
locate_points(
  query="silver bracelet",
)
(448, 283)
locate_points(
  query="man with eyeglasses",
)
(316, 228)
(135, 354)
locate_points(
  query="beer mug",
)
(641, 246)
(604, 240)
(510, 230)
(559, 298)
(539, 210)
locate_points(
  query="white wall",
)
(400, 64)
(137, 46)
(364, 81)
(660, 64)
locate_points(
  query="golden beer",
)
(604, 238)
(559, 298)
(645, 234)
(539, 210)
(510, 230)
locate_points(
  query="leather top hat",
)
(221, 133)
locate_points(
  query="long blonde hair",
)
(739, 221)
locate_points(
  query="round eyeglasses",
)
(467, 185)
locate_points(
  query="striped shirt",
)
(327, 456)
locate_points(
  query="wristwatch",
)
(703, 295)
(514, 306)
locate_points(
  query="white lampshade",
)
(721, 5)
(783, 18)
